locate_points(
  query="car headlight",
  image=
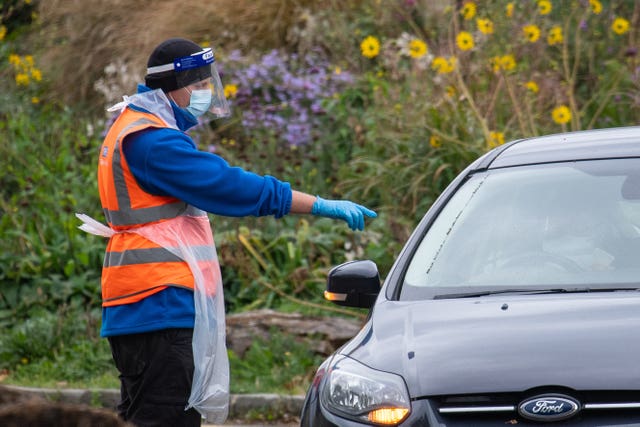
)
(356, 391)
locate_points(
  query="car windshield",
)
(554, 226)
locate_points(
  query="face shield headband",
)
(195, 68)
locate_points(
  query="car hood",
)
(505, 343)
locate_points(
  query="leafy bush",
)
(57, 346)
(289, 364)
(279, 103)
(287, 262)
(430, 100)
(281, 95)
(49, 270)
(15, 15)
(83, 364)
(49, 175)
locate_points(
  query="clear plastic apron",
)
(210, 388)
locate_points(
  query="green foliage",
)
(49, 270)
(286, 262)
(85, 364)
(54, 347)
(410, 124)
(49, 175)
(276, 365)
(16, 14)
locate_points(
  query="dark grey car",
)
(514, 302)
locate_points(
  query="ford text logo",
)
(548, 407)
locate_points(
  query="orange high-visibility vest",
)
(135, 267)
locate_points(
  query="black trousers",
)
(156, 372)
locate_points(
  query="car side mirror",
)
(353, 284)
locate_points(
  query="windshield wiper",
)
(530, 291)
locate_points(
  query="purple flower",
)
(283, 94)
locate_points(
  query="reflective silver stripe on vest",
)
(125, 215)
(150, 255)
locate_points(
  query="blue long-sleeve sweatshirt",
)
(167, 162)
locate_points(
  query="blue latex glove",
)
(351, 212)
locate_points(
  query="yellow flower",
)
(596, 6)
(532, 86)
(464, 40)
(28, 59)
(544, 7)
(370, 47)
(495, 64)
(443, 65)
(230, 90)
(3, 32)
(14, 60)
(439, 64)
(531, 32)
(495, 139)
(509, 10)
(22, 79)
(434, 141)
(506, 62)
(35, 100)
(468, 10)
(417, 48)
(485, 26)
(620, 26)
(337, 70)
(450, 91)
(561, 115)
(36, 74)
(555, 36)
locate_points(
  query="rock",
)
(324, 335)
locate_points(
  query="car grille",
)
(591, 404)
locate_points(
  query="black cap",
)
(165, 53)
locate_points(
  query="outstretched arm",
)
(346, 210)
(301, 203)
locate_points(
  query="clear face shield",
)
(199, 68)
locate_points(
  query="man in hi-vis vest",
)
(162, 294)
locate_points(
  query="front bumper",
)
(425, 413)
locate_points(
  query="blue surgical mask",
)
(199, 102)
